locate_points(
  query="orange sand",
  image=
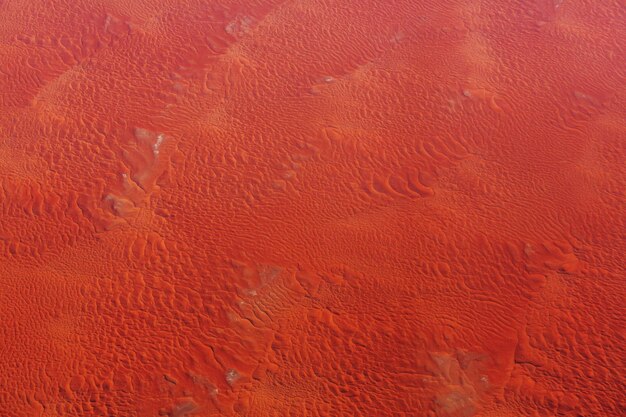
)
(312, 208)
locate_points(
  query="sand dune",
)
(312, 208)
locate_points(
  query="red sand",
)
(312, 208)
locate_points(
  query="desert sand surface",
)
(312, 208)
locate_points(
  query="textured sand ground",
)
(312, 208)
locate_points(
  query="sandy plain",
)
(312, 208)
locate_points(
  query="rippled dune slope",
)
(312, 208)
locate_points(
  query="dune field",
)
(312, 208)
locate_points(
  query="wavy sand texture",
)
(314, 208)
